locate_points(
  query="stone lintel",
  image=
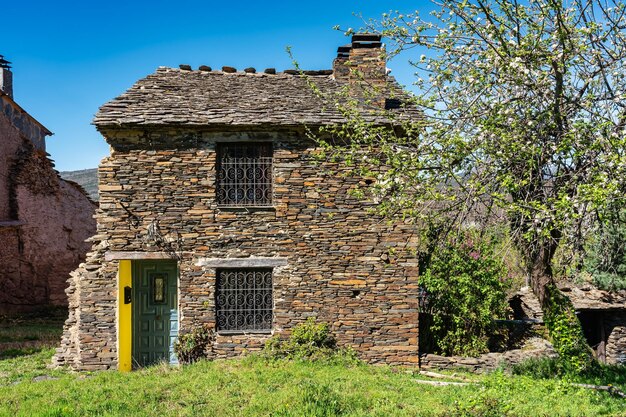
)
(136, 256)
(259, 262)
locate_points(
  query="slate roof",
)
(583, 298)
(590, 298)
(203, 98)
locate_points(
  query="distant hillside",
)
(87, 178)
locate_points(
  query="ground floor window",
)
(243, 299)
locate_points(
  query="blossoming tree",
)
(524, 114)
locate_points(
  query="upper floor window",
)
(244, 174)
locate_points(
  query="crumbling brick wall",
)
(44, 221)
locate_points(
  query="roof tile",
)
(200, 98)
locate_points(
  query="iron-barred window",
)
(244, 174)
(243, 299)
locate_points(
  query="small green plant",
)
(544, 368)
(309, 341)
(194, 345)
(313, 335)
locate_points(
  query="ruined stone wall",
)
(10, 141)
(44, 221)
(54, 235)
(344, 265)
(615, 328)
(535, 348)
(22, 122)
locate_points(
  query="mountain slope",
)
(87, 178)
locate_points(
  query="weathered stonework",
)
(615, 328)
(602, 315)
(335, 260)
(535, 348)
(44, 220)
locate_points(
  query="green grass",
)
(254, 386)
(30, 333)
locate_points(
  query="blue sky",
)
(70, 57)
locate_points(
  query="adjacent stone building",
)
(602, 315)
(44, 221)
(213, 209)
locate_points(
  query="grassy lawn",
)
(255, 387)
(29, 333)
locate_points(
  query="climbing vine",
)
(565, 331)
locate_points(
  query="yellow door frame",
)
(124, 317)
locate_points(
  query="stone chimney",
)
(362, 64)
(6, 77)
(340, 70)
(362, 60)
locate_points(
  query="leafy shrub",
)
(466, 291)
(312, 335)
(309, 341)
(194, 345)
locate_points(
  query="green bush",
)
(312, 335)
(194, 345)
(466, 290)
(309, 341)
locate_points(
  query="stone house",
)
(213, 210)
(44, 220)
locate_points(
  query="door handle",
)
(127, 295)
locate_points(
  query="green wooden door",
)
(155, 312)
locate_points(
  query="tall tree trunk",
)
(541, 271)
(559, 314)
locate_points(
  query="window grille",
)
(244, 174)
(243, 299)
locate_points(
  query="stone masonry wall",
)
(10, 142)
(535, 348)
(344, 266)
(44, 220)
(21, 120)
(615, 327)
